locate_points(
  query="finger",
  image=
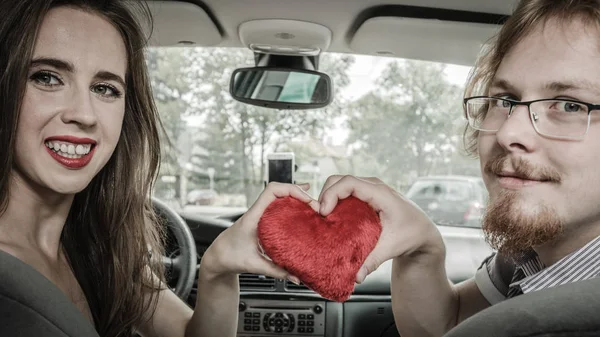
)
(304, 186)
(362, 189)
(373, 180)
(330, 181)
(269, 268)
(372, 262)
(272, 192)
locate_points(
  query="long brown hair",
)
(528, 15)
(111, 227)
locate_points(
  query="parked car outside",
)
(202, 197)
(450, 200)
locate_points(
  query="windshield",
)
(395, 119)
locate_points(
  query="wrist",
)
(212, 266)
(429, 246)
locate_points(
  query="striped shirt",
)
(529, 274)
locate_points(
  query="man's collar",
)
(580, 265)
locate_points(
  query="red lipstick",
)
(72, 163)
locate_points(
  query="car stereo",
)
(258, 318)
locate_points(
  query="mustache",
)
(522, 168)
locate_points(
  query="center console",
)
(258, 318)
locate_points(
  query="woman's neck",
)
(34, 218)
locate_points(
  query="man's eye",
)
(498, 103)
(569, 107)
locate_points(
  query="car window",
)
(395, 119)
(458, 191)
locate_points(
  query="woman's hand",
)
(406, 229)
(236, 250)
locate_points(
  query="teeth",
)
(69, 150)
(79, 149)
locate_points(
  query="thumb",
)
(372, 262)
(271, 269)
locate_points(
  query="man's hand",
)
(406, 230)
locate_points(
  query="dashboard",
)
(274, 307)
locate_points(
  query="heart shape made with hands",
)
(325, 253)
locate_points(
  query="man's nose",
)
(517, 131)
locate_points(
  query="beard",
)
(510, 228)
(513, 232)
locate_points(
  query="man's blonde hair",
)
(528, 15)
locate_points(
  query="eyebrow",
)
(556, 86)
(102, 75)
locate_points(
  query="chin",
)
(69, 186)
(514, 223)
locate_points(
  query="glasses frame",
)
(513, 104)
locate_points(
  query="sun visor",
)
(423, 39)
(180, 23)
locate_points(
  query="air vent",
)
(256, 282)
(293, 287)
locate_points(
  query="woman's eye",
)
(46, 79)
(106, 90)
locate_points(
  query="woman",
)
(80, 138)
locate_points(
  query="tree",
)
(170, 88)
(236, 137)
(402, 124)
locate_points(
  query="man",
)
(536, 130)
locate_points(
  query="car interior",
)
(303, 48)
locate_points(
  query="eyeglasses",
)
(556, 118)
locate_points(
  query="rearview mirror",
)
(281, 88)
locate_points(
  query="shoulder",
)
(494, 276)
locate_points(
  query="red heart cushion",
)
(325, 253)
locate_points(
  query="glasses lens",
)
(487, 113)
(560, 118)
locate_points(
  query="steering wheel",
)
(184, 265)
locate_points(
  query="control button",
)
(310, 330)
(255, 328)
(310, 316)
(257, 321)
(301, 330)
(310, 323)
(247, 314)
(271, 321)
(318, 309)
(256, 314)
(247, 321)
(301, 316)
(278, 315)
(242, 306)
(278, 322)
(301, 323)
(278, 329)
(286, 323)
(247, 328)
